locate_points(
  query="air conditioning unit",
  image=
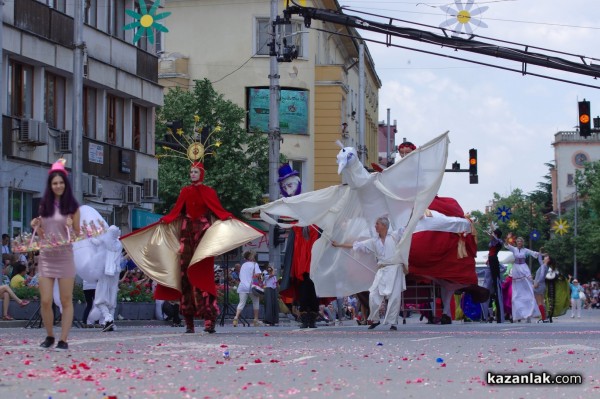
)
(33, 132)
(150, 188)
(93, 185)
(64, 142)
(132, 194)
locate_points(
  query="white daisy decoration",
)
(462, 17)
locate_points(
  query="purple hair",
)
(68, 204)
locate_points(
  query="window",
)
(54, 101)
(290, 33)
(139, 128)
(114, 120)
(570, 181)
(116, 14)
(20, 206)
(59, 5)
(89, 112)
(20, 90)
(91, 13)
(298, 166)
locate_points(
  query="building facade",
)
(571, 151)
(120, 93)
(319, 90)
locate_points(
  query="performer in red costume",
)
(199, 292)
(193, 282)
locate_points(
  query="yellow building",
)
(226, 42)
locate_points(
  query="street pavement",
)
(152, 360)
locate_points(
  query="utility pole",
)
(387, 140)
(362, 147)
(3, 189)
(575, 236)
(77, 128)
(274, 134)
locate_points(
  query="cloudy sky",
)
(509, 118)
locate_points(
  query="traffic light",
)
(585, 125)
(473, 178)
(278, 235)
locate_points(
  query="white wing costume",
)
(347, 213)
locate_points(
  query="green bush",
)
(27, 292)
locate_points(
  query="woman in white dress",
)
(523, 301)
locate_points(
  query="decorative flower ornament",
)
(191, 146)
(561, 226)
(534, 235)
(463, 17)
(503, 213)
(513, 224)
(146, 21)
(492, 227)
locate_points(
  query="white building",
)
(120, 94)
(571, 151)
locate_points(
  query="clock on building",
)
(580, 158)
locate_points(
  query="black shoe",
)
(403, 321)
(394, 328)
(210, 330)
(189, 330)
(373, 325)
(62, 346)
(109, 326)
(48, 342)
(446, 319)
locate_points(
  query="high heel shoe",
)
(235, 322)
(24, 303)
(7, 318)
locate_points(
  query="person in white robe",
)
(524, 306)
(390, 278)
(105, 301)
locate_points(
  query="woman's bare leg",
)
(65, 287)
(46, 286)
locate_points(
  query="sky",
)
(509, 118)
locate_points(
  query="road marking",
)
(300, 359)
(559, 350)
(429, 339)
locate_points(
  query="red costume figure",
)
(178, 252)
(198, 295)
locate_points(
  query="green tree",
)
(238, 170)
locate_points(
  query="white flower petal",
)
(479, 23)
(449, 10)
(469, 4)
(448, 22)
(459, 5)
(479, 10)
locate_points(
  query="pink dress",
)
(56, 262)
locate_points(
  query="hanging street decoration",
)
(145, 23)
(462, 17)
(560, 226)
(534, 235)
(503, 213)
(513, 224)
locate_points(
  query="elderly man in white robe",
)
(390, 278)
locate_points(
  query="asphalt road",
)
(348, 361)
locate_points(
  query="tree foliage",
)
(238, 171)
(581, 242)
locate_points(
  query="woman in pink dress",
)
(59, 217)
